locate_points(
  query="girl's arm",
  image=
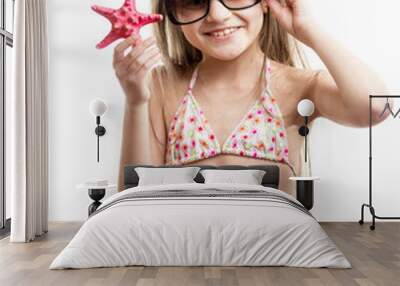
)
(157, 131)
(132, 70)
(143, 135)
(342, 94)
(135, 138)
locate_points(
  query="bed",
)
(201, 224)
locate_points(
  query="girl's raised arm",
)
(345, 99)
(342, 94)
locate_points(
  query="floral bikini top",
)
(260, 134)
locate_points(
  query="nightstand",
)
(96, 193)
(305, 190)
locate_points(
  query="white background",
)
(79, 73)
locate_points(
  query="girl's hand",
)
(132, 69)
(294, 16)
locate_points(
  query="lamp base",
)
(100, 130)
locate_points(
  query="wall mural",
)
(221, 82)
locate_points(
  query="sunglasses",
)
(184, 12)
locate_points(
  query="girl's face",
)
(225, 34)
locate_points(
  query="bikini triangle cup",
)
(260, 134)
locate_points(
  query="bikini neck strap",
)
(267, 68)
(194, 77)
(267, 71)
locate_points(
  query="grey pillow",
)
(162, 176)
(249, 177)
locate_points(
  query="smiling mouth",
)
(224, 33)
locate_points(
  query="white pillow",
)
(249, 177)
(162, 176)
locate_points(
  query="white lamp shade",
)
(97, 107)
(305, 107)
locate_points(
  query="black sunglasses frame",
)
(172, 18)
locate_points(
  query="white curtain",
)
(27, 162)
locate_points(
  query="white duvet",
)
(183, 231)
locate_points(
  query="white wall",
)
(79, 73)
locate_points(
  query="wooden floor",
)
(374, 255)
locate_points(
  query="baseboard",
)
(5, 231)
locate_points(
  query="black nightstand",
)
(96, 193)
(305, 190)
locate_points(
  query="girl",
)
(228, 90)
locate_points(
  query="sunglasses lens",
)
(185, 11)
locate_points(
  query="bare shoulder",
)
(290, 85)
(296, 81)
(168, 89)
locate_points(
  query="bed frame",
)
(270, 179)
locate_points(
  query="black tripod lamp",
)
(97, 107)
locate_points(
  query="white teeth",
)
(224, 32)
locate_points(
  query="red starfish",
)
(125, 21)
